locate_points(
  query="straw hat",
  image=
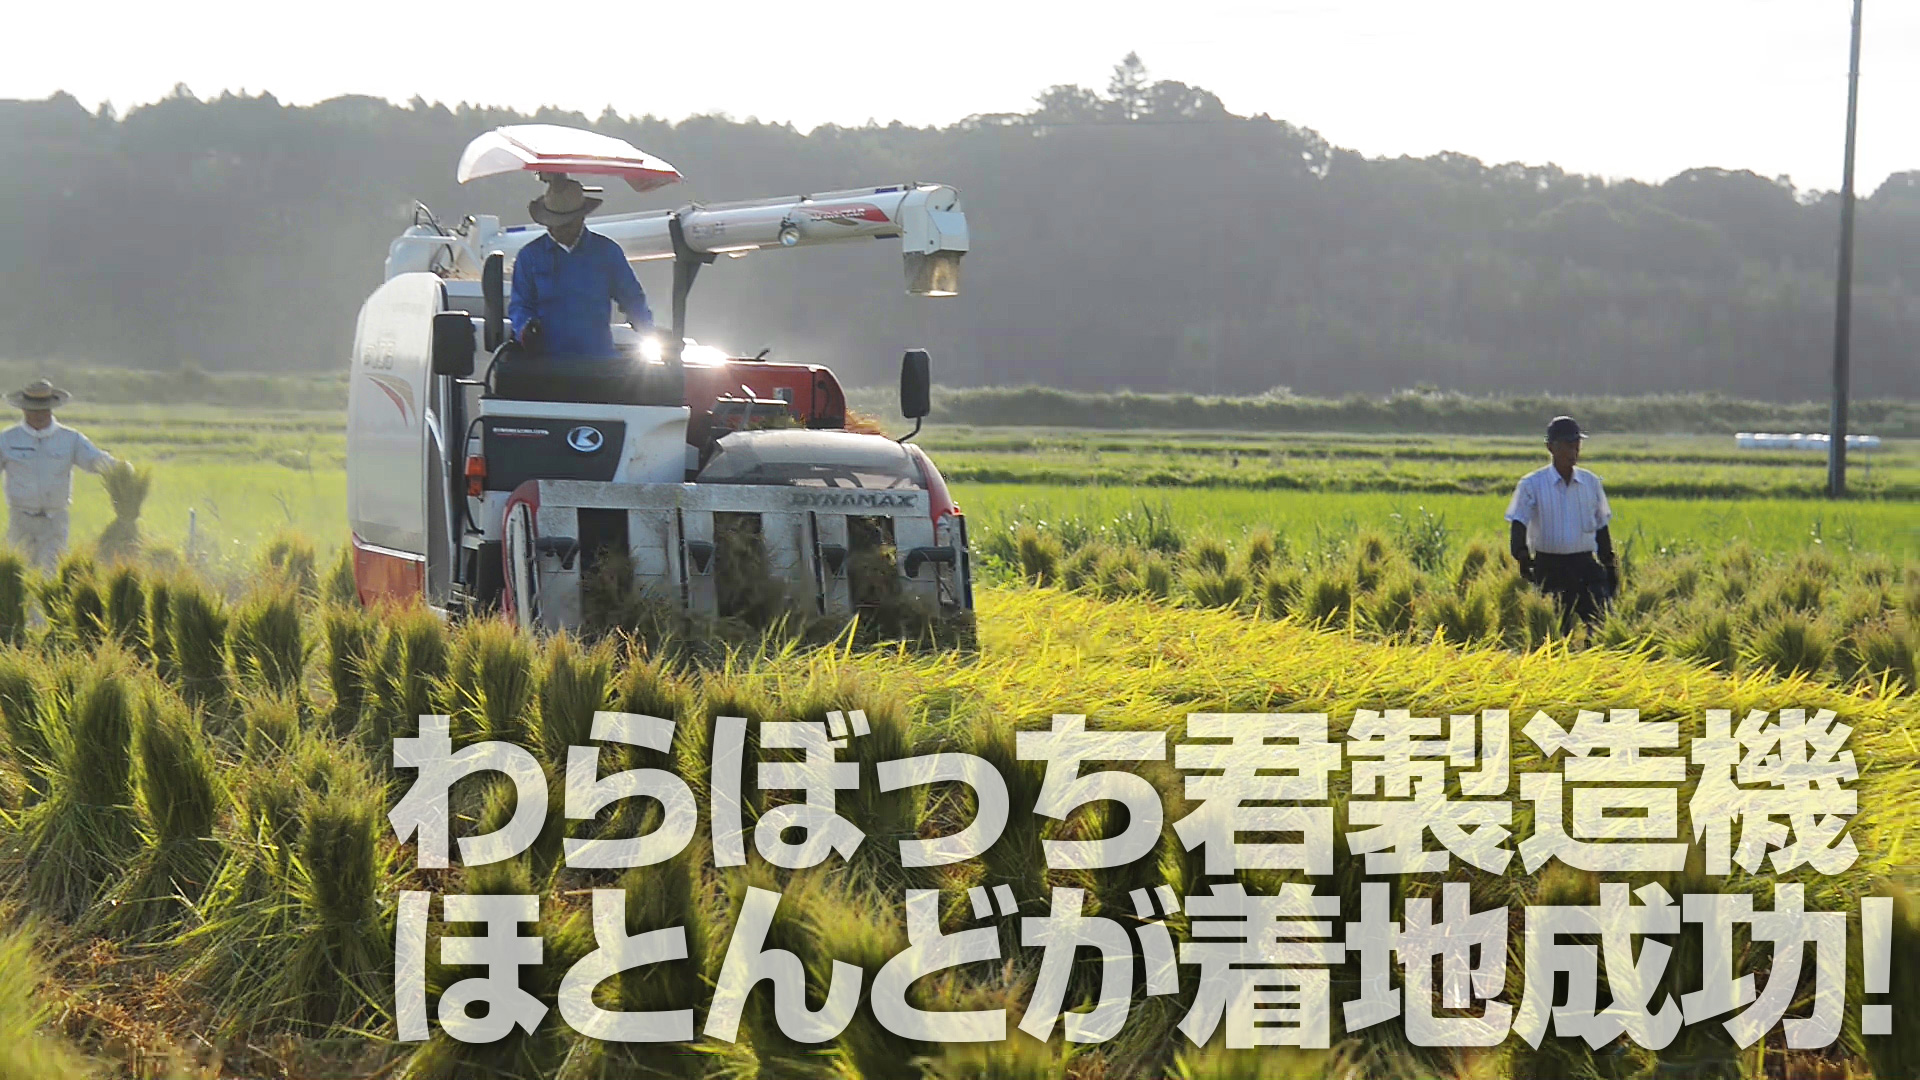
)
(564, 201)
(38, 394)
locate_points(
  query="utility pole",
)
(1843, 300)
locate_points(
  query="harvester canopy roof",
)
(812, 458)
(550, 148)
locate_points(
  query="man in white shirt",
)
(1558, 535)
(39, 454)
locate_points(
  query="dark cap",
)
(1564, 429)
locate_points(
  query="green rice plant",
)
(1622, 631)
(197, 629)
(13, 597)
(1791, 644)
(81, 837)
(1156, 576)
(268, 644)
(22, 720)
(29, 1047)
(1911, 601)
(1039, 555)
(851, 933)
(406, 676)
(804, 901)
(1738, 560)
(1460, 620)
(1263, 1063)
(1210, 554)
(1392, 608)
(1424, 540)
(1732, 590)
(76, 612)
(182, 801)
(351, 635)
(1280, 591)
(1706, 1051)
(1559, 1057)
(1020, 1057)
(271, 725)
(615, 601)
(499, 800)
(1078, 571)
(1815, 563)
(1528, 617)
(1707, 638)
(1217, 588)
(1149, 527)
(885, 818)
(1117, 574)
(1259, 552)
(1327, 597)
(1477, 558)
(344, 963)
(492, 682)
(127, 487)
(727, 692)
(567, 938)
(339, 586)
(667, 896)
(159, 627)
(1016, 860)
(127, 609)
(1860, 605)
(1897, 1054)
(289, 560)
(576, 683)
(1874, 570)
(1876, 650)
(313, 948)
(1799, 591)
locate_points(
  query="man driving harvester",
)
(564, 281)
(1559, 517)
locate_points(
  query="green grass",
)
(1889, 528)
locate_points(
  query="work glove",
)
(531, 336)
(1613, 581)
(1526, 571)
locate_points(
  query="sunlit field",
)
(195, 760)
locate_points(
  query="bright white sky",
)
(1638, 88)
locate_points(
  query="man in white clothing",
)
(39, 454)
(1558, 530)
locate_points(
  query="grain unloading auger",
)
(515, 487)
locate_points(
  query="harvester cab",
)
(480, 476)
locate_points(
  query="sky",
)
(1618, 88)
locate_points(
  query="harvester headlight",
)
(650, 349)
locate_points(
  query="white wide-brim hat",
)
(39, 394)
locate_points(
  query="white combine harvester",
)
(508, 488)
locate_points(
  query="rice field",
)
(226, 480)
(193, 789)
(197, 877)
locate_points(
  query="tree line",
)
(1142, 237)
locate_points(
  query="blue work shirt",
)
(569, 293)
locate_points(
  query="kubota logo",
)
(585, 439)
(851, 498)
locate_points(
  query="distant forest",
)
(1139, 236)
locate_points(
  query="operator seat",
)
(518, 375)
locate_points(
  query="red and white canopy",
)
(552, 148)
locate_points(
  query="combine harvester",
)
(509, 489)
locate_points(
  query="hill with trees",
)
(1141, 237)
